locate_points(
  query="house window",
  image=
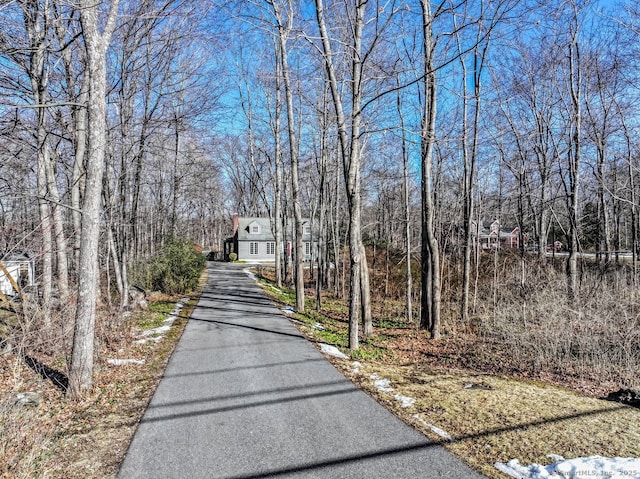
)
(306, 230)
(307, 249)
(253, 248)
(271, 248)
(255, 229)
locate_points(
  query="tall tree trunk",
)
(62, 276)
(338, 268)
(632, 201)
(407, 213)
(350, 150)
(283, 32)
(36, 24)
(322, 235)
(574, 165)
(603, 223)
(467, 195)
(176, 179)
(96, 43)
(44, 208)
(78, 175)
(431, 295)
(277, 200)
(470, 152)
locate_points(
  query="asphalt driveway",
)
(246, 396)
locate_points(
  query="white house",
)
(254, 241)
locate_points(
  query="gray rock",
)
(26, 399)
(137, 298)
(5, 348)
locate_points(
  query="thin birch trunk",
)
(407, 214)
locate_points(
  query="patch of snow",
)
(159, 332)
(332, 351)
(155, 339)
(122, 362)
(318, 326)
(248, 272)
(355, 367)
(440, 432)
(593, 467)
(434, 429)
(155, 331)
(405, 401)
(288, 310)
(381, 384)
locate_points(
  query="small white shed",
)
(20, 266)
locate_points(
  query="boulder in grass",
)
(137, 298)
(26, 399)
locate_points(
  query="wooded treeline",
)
(413, 123)
(398, 125)
(103, 157)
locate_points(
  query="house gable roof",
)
(485, 229)
(265, 233)
(264, 228)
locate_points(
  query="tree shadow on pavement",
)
(388, 452)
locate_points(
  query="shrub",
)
(175, 269)
(233, 256)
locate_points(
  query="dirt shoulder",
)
(54, 437)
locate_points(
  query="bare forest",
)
(476, 163)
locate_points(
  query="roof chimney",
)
(235, 223)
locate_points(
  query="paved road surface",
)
(246, 396)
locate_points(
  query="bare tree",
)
(351, 154)
(407, 210)
(574, 83)
(284, 25)
(431, 287)
(97, 34)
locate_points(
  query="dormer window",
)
(254, 229)
(306, 230)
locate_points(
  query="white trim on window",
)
(271, 248)
(253, 248)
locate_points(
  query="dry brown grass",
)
(493, 418)
(60, 438)
(595, 339)
(541, 364)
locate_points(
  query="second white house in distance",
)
(254, 241)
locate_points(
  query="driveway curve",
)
(245, 395)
